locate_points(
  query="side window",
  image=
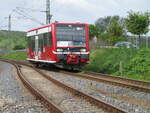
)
(50, 38)
(41, 42)
(33, 43)
(47, 39)
(45, 36)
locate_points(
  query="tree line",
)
(116, 28)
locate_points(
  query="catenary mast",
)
(48, 15)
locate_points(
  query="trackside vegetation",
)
(14, 56)
(129, 63)
(13, 43)
(138, 67)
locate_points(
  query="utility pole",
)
(48, 15)
(9, 23)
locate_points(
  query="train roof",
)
(54, 24)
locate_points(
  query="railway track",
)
(108, 79)
(117, 81)
(123, 98)
(53, 106)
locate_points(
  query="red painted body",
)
(72, 59)
(49, 54)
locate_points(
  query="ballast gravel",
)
(68, 102)
(14, 97)
(126, 99)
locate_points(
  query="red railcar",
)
(59, 43)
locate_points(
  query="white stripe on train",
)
(41, 61)
(84, 53)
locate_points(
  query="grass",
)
(15, 56)
(133, 63)
(137, 77)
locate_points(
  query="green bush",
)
(12, 41)
(19, 43)
(139, 65)
(108, 60)
(130, 63)
(9, 44)
(17, 47)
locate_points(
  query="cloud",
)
(87, 11)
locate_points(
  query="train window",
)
(50, 38)
(40, 42)
(74, 35)
(47, 39)
(45, 35)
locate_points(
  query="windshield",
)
(70, 35)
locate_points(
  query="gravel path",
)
(67, 101)
(126, 99)
(14, 97)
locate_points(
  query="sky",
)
(84, 11)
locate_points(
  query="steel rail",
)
(52, 107)
(138, 82)
(99, 77)
(80, 94)
(101, 104)
(115, 83)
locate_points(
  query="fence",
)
(142, 42)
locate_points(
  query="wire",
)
(30, 17)
(32, 10)
(26, 16)
(15, 18)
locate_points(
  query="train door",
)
(36, 47)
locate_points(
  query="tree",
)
(103, 23)
(115, 31)
(138, 23)
(115, 28)
(93, 31)
(111, 28)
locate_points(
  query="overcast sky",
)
(86, 11)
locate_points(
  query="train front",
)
(72, 44)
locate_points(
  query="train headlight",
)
(59, 50)
(83, 50)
